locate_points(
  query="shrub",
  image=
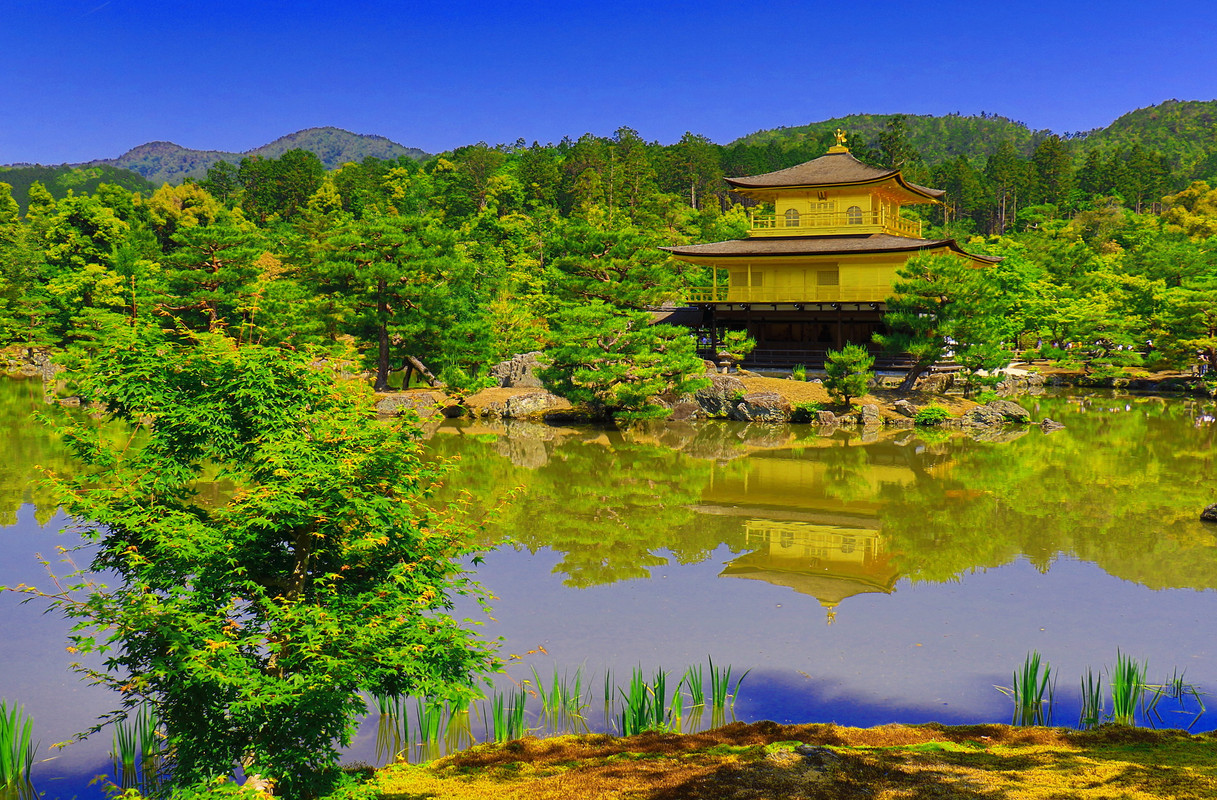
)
(931, 415)
(805, 412)
(799, 373)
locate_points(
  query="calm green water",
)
(896, 578)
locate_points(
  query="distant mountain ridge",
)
(1185, 131)
(935, 138)
(166, 162)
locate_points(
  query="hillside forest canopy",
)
(469, 257)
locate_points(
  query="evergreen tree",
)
(847, 372)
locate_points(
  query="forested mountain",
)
(935, 139)
(166, 162)
(1184, 131)
(59, 180)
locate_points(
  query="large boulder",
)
(905, 408)
(1021, 383)
(425, 404)
(1209, 514)
(1012, 412)
(995, 414)
(826, 418)
(762, 407)
(870, 415)
(686, 410)
(935, 383)
(720, 397)
(534, 404)
(518, 372)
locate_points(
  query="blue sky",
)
(94, 78)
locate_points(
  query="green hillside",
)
(936, 139)
(62, 179)
(1183, 131)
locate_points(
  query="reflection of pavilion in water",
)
(812, 518)
(829, 563)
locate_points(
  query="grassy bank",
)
(766, 760)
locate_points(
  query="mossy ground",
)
(755, 761)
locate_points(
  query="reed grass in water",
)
(1128, 688)
(722, 695)
(17, 747)
(1183, 693)
(694, 681)
(645, 707)
(1032, 690)
(1092, 700)
(562, 701)
(507, 715)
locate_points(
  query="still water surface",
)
(862, 579)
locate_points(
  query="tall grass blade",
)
(720, 688)
(1092, 700)
(694, 680)
(507, 713)
(17, 747)
(430, 717)
(1183, 693)
(1128, 689)
(1033, 691)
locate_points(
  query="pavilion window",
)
(792, 218)
(853, 215)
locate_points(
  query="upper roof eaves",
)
(833, 169)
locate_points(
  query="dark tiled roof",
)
(827, 170)
(819, 246)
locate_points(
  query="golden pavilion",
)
(824, 244)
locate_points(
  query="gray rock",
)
(719, 398)
(982, 417)
(1209, 514)
(762, 407)
(827, 418)
(1031, 383)
(1048, 425)
(905, 408)
(937, 383)
(519, 372)
(425, 404)
(870, 415)
(534, 404)
(686, 410)
(1012, 412)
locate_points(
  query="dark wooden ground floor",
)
(786, 334)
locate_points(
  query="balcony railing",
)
(814, 294)
(810, 224)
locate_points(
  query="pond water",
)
(862, 579)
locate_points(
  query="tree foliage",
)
(848, 372)
(252, 615)
(619, 361)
